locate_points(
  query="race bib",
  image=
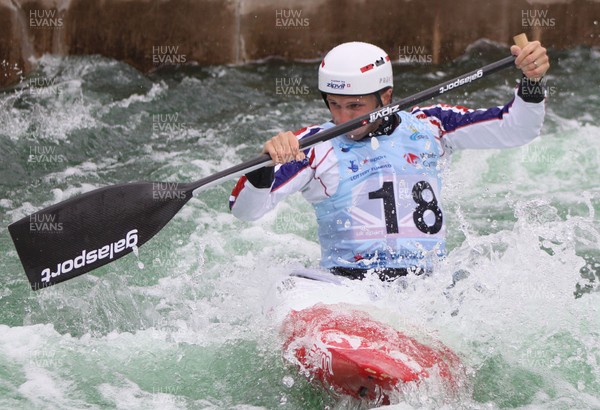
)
(395, 206)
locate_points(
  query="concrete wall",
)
(151, 33)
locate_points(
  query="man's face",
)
(344, 108)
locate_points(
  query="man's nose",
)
(344, 116)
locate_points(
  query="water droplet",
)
(140, 264)
(374, 143)
(288, 381)
(347, 224)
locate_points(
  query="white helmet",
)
(355, 68)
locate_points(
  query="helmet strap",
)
(324, 95)
(378, 96)
(388, 125)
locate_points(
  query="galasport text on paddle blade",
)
(93, 229)
(90, 230)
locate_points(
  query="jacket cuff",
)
(262, 177)
(532, 91)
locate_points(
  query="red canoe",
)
(350, 353)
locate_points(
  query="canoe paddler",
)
(377, 191)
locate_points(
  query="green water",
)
(182, 325)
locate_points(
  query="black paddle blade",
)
(90, 230)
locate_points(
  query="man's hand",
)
(284, 147)
(532, 59)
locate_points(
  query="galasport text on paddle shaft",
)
(90, 230)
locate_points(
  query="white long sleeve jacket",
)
(381, 206)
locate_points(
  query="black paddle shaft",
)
(90, 230)
(355, 123)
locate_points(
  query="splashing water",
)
(516, 298)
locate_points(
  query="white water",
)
(188, 330)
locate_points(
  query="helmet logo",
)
(338, 84)
(377, 63)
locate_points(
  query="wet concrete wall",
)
(149, 34)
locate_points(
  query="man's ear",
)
(386, 96)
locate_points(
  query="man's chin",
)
(358, 134)
(361, 133)
(357, 137)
